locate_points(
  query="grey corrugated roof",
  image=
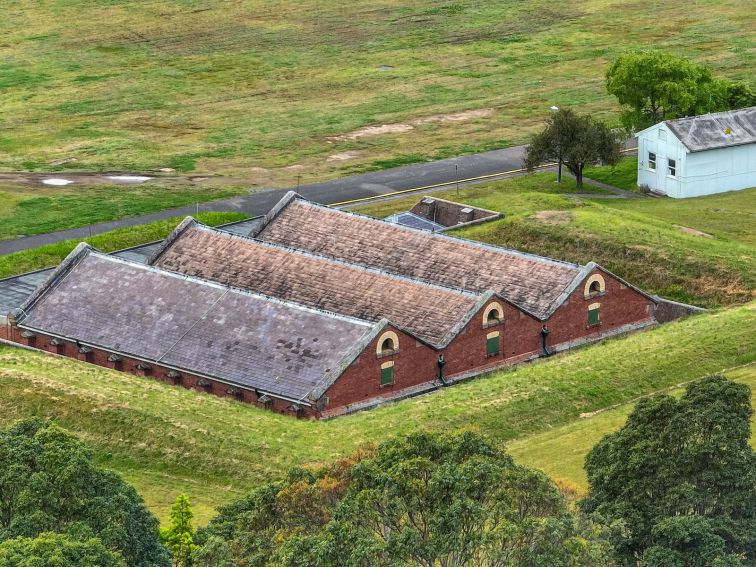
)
(710, 131)
(413, 221)
(186, 323)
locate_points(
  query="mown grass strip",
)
(52, 254)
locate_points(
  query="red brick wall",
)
(415, 363)
(520, 337)
(620, 305)
(190, 381)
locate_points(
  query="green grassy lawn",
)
(52, 254)
(623, 175)
(279, 85)
(35, 210)
(165, 439)
(560, 452)
(643, 240)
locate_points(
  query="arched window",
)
(493, 314)
(594, 286)
(388, 344)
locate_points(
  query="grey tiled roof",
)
(534, 283)
(429, 312)
(718, 130)
(194, 325)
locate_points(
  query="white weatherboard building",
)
(700, 155)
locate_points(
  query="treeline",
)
(676, 486)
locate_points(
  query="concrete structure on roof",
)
(700, 155)
(320, 312)
(438, 215)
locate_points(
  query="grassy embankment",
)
(561, 451)
(52, 254)
(222, 87)
(27, 210)
(700, 250)
(623, 175)
(166, 439)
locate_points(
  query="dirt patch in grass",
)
(368, 131)
(692, 231)
(552, 217)
(344, 156)
(401, 128)
(455, 117)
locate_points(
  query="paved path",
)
(470, 169)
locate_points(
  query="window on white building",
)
(652, 161)
(662, 134)
(672, 167)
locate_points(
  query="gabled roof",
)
(533, 283)
(429, 312)
(717, 130)
(201, 327)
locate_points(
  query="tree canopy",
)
(56, 550)
(680, 477)
(422, 500)
(655, 86)
(575, 140)
(48, 483)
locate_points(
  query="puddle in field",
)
(385, 68)
(129, 178)
(57, 181)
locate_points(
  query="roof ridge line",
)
(475, 243)
(235, 289)
(333, 260)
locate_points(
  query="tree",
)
(178, 537)
(574, 140)
(656, 86)
(740, 95)
(55, 550)
(48, 483)
(423, 500)
(680, 477)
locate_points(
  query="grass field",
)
(561, 451)
(284, 86)
(39, 209)
(623, 175)
(166, 439)
(52, 254)
(648, 241)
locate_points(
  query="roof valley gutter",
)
(154, 361)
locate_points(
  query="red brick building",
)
(321, 312)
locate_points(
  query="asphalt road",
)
(329, 192)
(467, 170)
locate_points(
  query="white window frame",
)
(671, 169)
(652, 161)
